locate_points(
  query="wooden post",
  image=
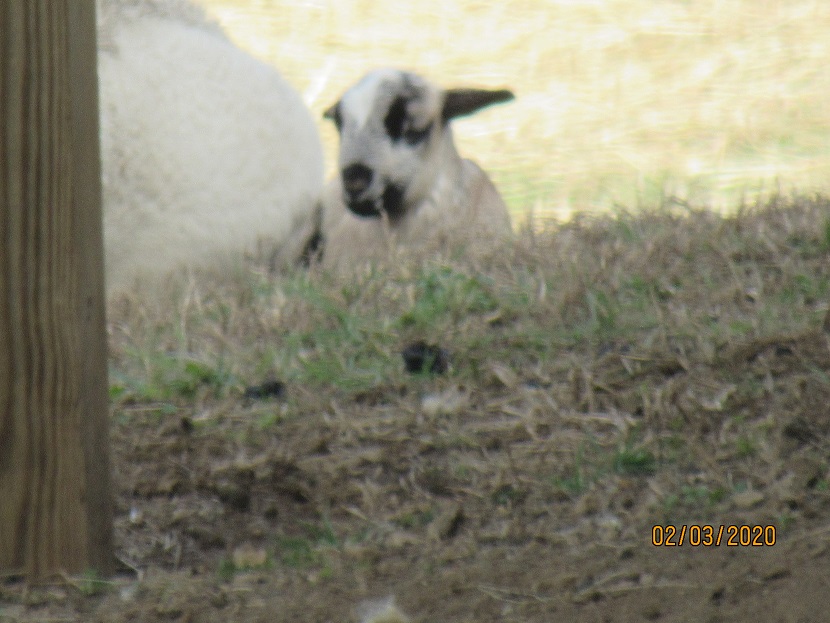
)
(55, 500)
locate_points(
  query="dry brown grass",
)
(663, 338)
(619, 102)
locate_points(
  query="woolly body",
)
(206, 151)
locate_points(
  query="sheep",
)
(402, 184)
(206, 151)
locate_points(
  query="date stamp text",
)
(702, 535)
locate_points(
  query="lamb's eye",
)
(396, 119)
(413, 136)
(399, 125)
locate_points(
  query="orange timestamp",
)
(712, 536)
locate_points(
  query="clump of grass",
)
(169, 377)
(507, 495)
(309, 549)
(592, 464)
(442, 295)
(92, 583)
(634, 461)
(417, 518)
(692, 501)
(226, 570)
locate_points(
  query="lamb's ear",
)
(333, 114)
(460, 102)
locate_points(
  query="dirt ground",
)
(191, 499)
(507, 489)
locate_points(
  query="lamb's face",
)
(390, 125)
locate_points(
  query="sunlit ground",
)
(620, 102)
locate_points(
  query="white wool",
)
(205, 150)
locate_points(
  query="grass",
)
(696, 282)
(620, 102)
(692, 502)
(92, 583)
(653, 365)
(306, 550)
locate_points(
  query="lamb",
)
(205, 150)
(402, 184)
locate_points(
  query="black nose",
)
(356, 179)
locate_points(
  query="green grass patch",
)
(443, 295)
(636, 461)
(415, 519)
(307, 549)
(692, 502)
(592, 463)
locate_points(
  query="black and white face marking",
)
(400, 126)
(386, 124)
(391, 125)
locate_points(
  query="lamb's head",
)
(395, 138)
